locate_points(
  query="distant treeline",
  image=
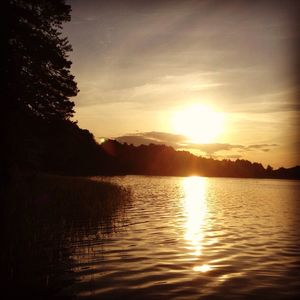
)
(164, 160)
(64, 148)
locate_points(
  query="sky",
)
(217, 78)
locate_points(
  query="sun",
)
(199, 123)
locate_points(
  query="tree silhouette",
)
(164, 160)
(38, 69)
(38, 83)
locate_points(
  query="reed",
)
(43, 214)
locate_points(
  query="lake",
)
(194, 238)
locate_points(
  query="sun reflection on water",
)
(195, 207)
(203, 268)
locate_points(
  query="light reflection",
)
(195, 209)
(230, 276)
(203, 268)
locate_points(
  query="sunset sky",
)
(212, 77)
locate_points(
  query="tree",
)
(38, 83)
(38, 75)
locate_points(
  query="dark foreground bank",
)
(42, 215)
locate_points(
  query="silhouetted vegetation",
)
(38, 83)
(43, 217)
(164, 160)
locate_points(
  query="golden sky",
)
(213, 77)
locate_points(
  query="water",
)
(195, 238)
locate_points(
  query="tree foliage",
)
(37, 71)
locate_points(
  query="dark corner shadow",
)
(47, 219)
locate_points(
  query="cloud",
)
(281, 100)
(140, 52)
(146, 90)
(260, 146)
(269, 107)
(153, 137)
(136, 140)
(212, 148)
(181, 142)
(164, 136)
(295, 107)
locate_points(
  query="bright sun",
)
(199, 123)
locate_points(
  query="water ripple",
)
(196, 238)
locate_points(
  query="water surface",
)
(195, 238)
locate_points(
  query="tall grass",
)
(41, 214)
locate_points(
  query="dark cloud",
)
(212, 148)
(164, 136)
(137, 140)
(260, 146)
(181, 142)
(153, 137)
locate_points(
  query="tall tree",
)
(38, 83)
(38, 69)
